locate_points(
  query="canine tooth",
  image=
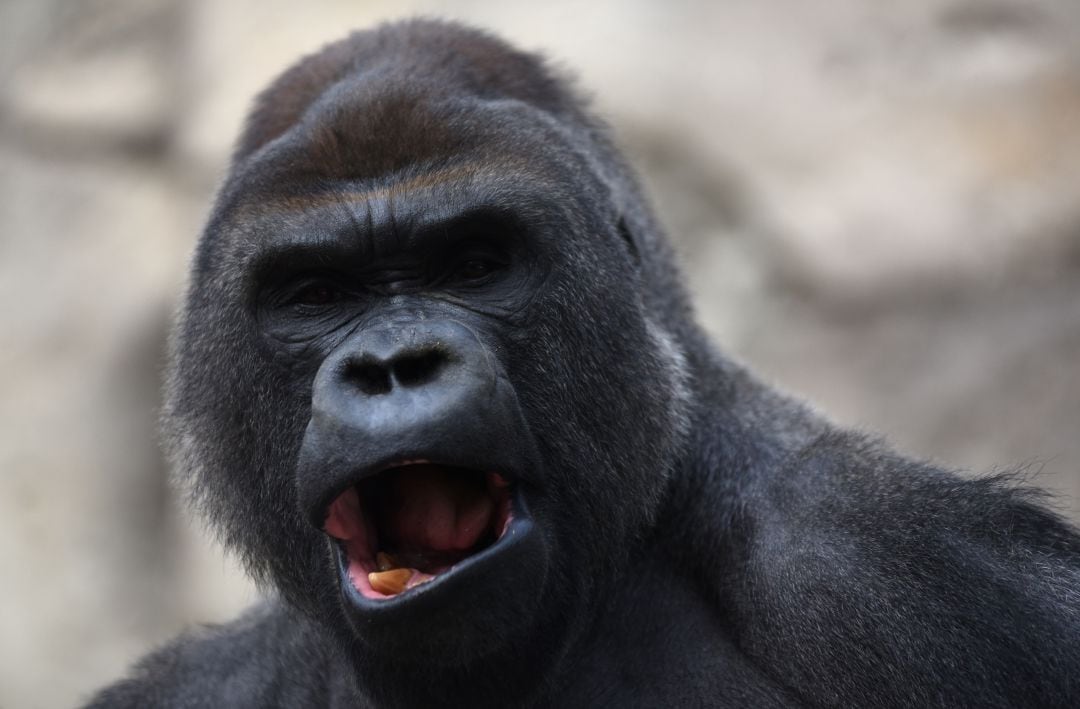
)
(384, 562)
(390, 582)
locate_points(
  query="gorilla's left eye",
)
(476, 269)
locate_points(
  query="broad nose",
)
(392, 378)
(378, 373)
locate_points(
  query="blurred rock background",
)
(878, 205)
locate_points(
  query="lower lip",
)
(357, 589)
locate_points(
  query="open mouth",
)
(413, 522)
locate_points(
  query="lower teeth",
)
(391, 579)
(390, 582)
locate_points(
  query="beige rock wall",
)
(879, 206)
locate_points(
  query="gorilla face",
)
(416, 383)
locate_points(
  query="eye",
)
(316, 294)
(476, 269)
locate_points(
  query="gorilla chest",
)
(665, 646)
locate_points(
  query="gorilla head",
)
(429, 379)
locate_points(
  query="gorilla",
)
(438, 383)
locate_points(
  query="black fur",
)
(701, 540)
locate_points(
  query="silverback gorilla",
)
(438, 383)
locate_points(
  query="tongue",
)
(430, 507)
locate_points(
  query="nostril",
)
(415, 369)
(371, 378)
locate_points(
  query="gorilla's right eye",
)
(316, 294)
